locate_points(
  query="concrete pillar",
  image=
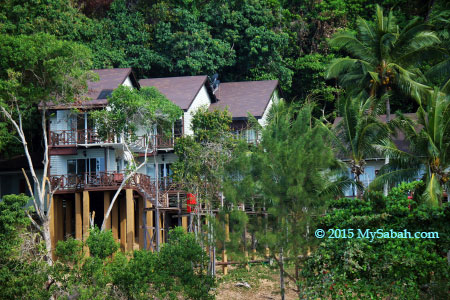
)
(130, 219)
(78, 218)
(106, 203)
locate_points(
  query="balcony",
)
(89, 137)
(101, 181)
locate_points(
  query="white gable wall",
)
(202, 99)
(273, 99)
(127, 82)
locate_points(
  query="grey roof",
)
(180, 90)
(245, 97)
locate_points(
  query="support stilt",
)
(123, 224)
(115, 220)
(78, 217)
(130, 219)
(141, 222)
(69, 213)
(106, 203)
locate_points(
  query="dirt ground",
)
(264, 284)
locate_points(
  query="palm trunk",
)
(388, 109)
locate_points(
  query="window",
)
(72, 166)
(80, 166)
(368, 176)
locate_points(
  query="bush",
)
(101, 243)
(402, 268)
(22, 274)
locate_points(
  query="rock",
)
(243, 284)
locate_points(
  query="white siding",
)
(202, 99)
(273, 99)
(59, 120)
(59, 162)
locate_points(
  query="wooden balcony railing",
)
(82, 137)
(112, 180)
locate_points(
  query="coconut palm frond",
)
(433, 192)
(392, 177)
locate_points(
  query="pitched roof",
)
(98, 91)
(245, 97)
(180, 90)
(110, 79)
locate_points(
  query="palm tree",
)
(356, 134)
(429, 149)
(383, 57)
(440, 72)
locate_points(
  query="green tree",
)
(384, 58)
(290, 169)
(122, 39)
(428, 154)
(357, 133)
(131, 112)
(202, 159)
(39, 70)
(22, 272)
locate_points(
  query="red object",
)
(191, 200)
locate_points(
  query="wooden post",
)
(184, 223)
(244, 238)
(59, 219)
(78, 219)
(266, 217)
(123, 224)
(227, 228)
(141, 222)
(227, 239)
(130, 219)
(149, 217)
(69, 212)
(52, 223)
(85, 215)
(106, 203)
(253, 246)
(225, 260)
(115, 220)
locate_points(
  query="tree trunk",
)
(281, 264)
(48, 241)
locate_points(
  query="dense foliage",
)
(382, 267)
(177, 270)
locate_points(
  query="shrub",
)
(399, 268)
(101, 243)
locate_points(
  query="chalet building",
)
(86, 171)
(374, 164)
